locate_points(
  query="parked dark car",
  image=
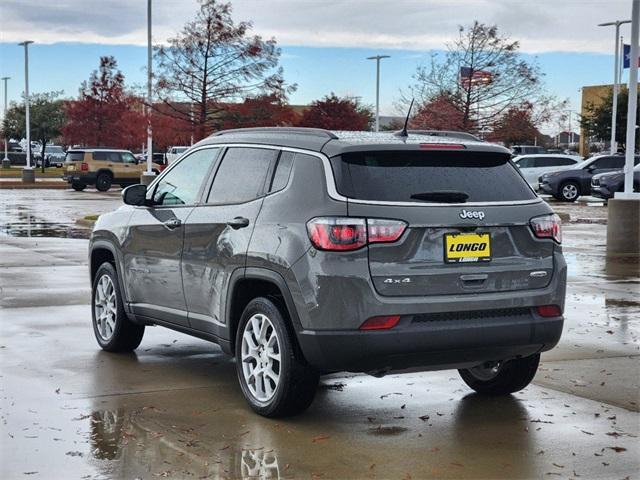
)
(605, 185)
(304, 252)
(568, 185)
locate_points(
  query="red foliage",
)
(105, 114)
(334, 113)
(515, 126)
(169, 131)
(438, 114)
(262, 111)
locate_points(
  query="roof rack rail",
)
(315, 132)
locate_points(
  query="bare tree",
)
(484, 76)
(214, 61)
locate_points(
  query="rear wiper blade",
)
(442, 196)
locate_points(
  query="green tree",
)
(46, 118)
(596, 121)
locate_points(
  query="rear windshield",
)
(74, 157)
(394, 176)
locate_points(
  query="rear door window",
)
(396, 176)
(242, 175)
(74, 157)
(283, 170)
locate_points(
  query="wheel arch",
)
(247, 284)
(104, 251)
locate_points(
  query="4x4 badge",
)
(478, 214)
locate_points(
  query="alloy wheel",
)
(260, 356)
(105, 307)
(570, 191)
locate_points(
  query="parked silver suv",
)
(303, 252)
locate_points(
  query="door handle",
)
(173, 223)
(238, 222)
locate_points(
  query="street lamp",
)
(616, 81)
(6, 163)
(28, 174)
(147, 176)
(377, 58)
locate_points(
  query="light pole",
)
(147, 177)
(6, 163)
(632, 106)
(616, 81)
(28, 174)
(377, 58)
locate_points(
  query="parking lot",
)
(174, 408)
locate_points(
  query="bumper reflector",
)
(549, 311)
(380, 323)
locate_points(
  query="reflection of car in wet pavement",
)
(605, 185)
(479, 287)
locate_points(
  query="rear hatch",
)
(72, 160)
(468, 219)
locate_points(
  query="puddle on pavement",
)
(26, 225)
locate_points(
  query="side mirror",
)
(135, 195)
(591, 168)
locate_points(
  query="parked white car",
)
(174, 152)
(532, 166)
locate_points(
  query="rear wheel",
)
(111, 326)
(273, 376)
(78, 187)
(501, 378)
(569, 192)
(103, 182)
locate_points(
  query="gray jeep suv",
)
(303, 252)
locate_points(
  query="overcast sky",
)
(540, 25)
(324, 42)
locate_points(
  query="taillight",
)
(84, 167)
(380, 323)
(345, 233)
(549, 311)
(547, 226)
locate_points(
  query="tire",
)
(78, 187)
(103, 182)
(113, 330)
(296, 383)
(568, 192)
(511, 376)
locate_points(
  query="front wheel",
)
(569, 192)
(111, 326)
(273, 376)
(501, 378)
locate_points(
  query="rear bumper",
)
(77, 177)
(436, 345)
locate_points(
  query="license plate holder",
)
(467, 247)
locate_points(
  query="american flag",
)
(469, 77)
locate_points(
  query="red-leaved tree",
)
(261, 111)
(335, 113)
(515, 126)
(105, 114)
(440, 113)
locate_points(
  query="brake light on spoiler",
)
(442, 146)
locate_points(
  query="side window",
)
(526, 162)
(101, 156)
(609, 162)
(564, 161)
(128, 157)
(181, 184)
(114, 157)
(242, 175)
(283, 170)
(548, 162)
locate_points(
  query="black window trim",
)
(330, 181)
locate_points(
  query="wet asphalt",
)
(173, 408)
